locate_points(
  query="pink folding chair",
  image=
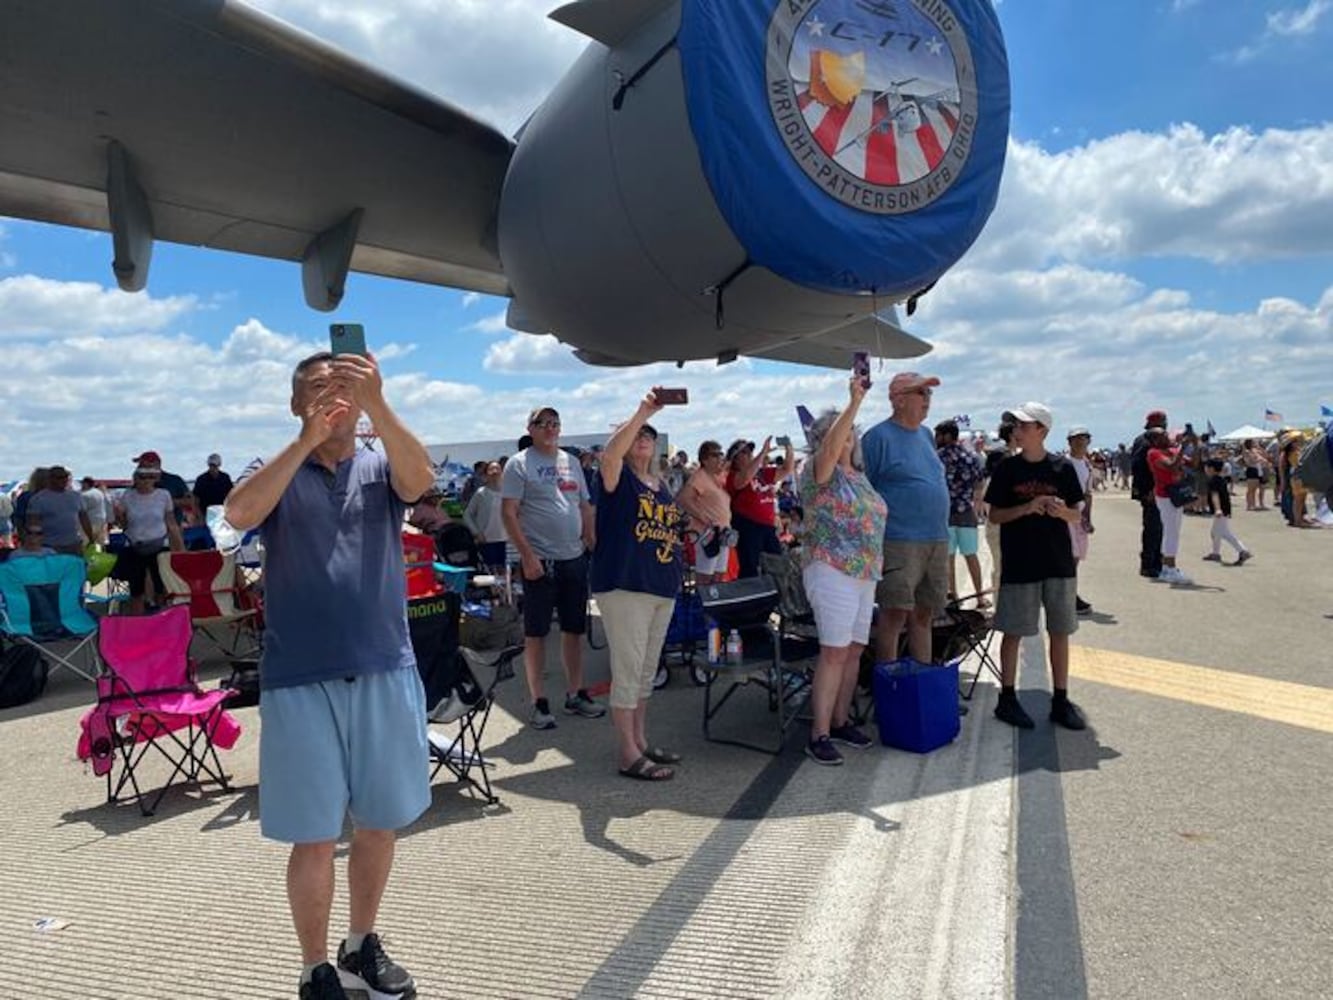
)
(148, 699)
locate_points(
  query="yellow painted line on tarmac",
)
(1279, 701)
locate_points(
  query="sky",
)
(1163, 238)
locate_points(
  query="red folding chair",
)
(148, 699)
(207, 581)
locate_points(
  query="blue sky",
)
(1163, 238)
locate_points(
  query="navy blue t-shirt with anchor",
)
(638, 539)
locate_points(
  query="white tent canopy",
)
(1247, 431)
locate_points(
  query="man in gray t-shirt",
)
(547, 514)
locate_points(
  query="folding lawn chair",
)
(470, 709)
(147, 699)
(207, 581)
(41, 605)
(962, 632)
(459, 684)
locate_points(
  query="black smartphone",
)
(861, 367)
(347, 338)
(672, 397)
(782, 441)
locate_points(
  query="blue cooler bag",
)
(916, 704)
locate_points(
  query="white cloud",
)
(492, 324)
(485, 40)
(1298, 20)
(1289, 22)
(1238, 195)
(525, 353)
(30, 305)
(470, 299)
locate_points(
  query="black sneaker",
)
(1065, 713)
(1081, 606)
(370, 969)
(323, 984)
(850, 736)
(1010, 710)
(822, 751)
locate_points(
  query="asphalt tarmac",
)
(1177, 848)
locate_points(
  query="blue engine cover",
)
(852, 145)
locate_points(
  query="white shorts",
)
(711, 564)
(842, 605)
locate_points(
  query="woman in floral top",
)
(842, 552)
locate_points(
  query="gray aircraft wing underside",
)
(238, 132)
(879, 336)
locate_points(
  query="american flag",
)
(878, 141)
(1273, 416)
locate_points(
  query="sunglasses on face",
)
(547, 425)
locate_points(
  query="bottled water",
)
(735, 653)
(225, 537)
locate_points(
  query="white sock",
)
(353, 942)
(309, 971)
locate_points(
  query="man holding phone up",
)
(343, 713)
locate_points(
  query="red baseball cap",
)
(148, 458)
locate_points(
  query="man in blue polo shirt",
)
(902, 464)
(343, 714)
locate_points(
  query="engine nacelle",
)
(752, 171)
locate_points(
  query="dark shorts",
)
(563, 590)
(1251, 473)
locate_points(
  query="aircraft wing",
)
(223, 127)
(879, 336)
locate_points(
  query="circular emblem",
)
(876, 100)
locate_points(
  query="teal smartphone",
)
(347, 338)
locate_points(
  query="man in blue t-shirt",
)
(343, 713)
(902, 464)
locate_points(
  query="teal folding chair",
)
(41, 605)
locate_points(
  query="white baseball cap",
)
(1037, 413)
(1078, 430)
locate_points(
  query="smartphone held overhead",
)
(861, 368)
(671, 397)
(347, 338)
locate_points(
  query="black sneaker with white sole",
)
(372, 971)
(323, 984)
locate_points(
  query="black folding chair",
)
(469, 709)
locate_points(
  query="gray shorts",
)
(916, 575)
(1018, 606)
(337, 748)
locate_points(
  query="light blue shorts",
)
(335, 748)
(962, 541)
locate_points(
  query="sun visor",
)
(852, 145)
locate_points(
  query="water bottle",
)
(734, 652)
(225, 537)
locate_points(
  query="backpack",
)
(23, 673)
(1315, 466)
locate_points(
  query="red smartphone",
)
(861, 367)
(672, 397)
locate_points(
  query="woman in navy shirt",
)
(636, 572)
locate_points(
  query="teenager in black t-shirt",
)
(1034, 497)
